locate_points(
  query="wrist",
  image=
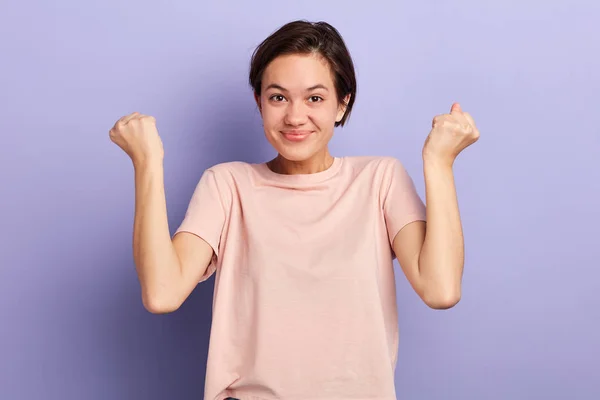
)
(437, 162)
(145, 163)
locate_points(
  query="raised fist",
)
(137, 135)
(450, 134)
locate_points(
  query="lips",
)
(296, 135)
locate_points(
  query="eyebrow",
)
(279, 87)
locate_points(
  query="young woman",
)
(302, 245)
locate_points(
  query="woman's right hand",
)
(137, 135)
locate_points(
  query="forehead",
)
(298, 71)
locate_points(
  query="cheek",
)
(327, 115)
(270, 115)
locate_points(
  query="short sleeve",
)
(205, 215)
(401, 203)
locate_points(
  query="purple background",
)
(72, 322)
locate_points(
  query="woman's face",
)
(299, 106)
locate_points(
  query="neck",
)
(318, 163)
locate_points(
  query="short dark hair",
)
(304, 37)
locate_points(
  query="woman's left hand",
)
(450, 134)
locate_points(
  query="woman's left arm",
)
(432, 255)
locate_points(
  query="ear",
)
(342, 108)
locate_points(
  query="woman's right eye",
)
(277, 97)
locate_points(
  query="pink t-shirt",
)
(305, 300)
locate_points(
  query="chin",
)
(296, 154)
(293, 151)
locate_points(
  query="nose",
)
(296, 114)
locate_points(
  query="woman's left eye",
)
(316, 99)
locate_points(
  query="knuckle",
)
(150, 122)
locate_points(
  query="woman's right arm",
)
(168, 269)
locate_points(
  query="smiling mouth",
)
(296, 136)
